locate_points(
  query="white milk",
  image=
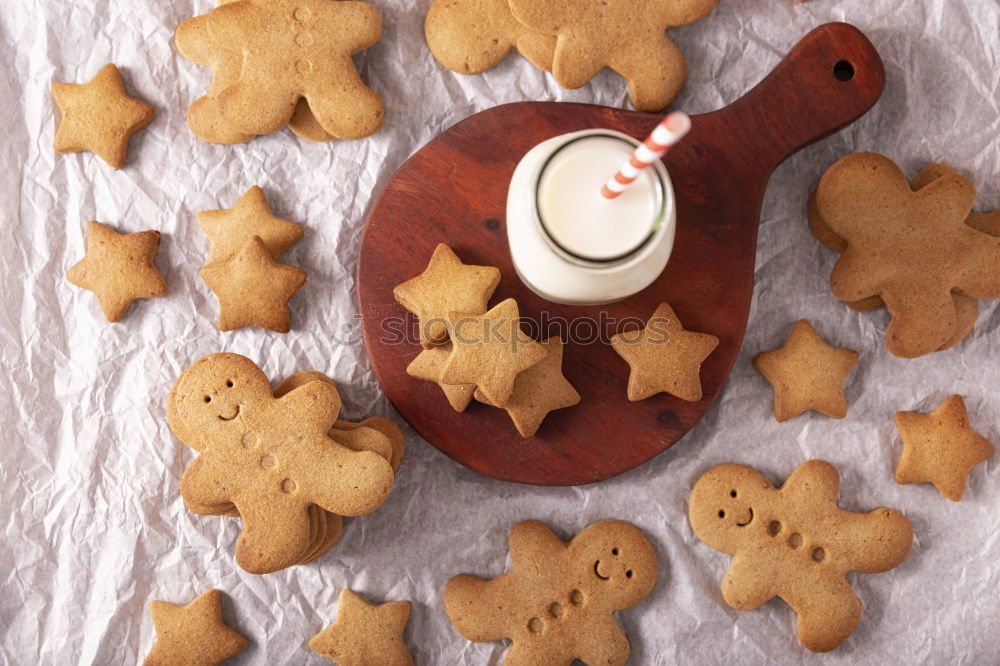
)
(571, 245)
(578, 218)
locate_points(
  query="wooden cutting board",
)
(454, 190)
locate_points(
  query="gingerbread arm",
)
(881, 539)
(314, 405)
(470, 602)
(744, 586)
(531, 543)
(205, 483)
(345, 482)
(813, 479)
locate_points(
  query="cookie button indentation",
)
(535, 625)
(774, 528)
(794, 540)
(301, 14)
(576, 597)
(267, 461)
(304, 66)
(250, 440)
(289, 486)
(818, 554)
(556, 609)
(304, 39)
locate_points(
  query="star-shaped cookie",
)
(490, 351)
(99, 116)
(539, 390)
(253, 289)
(192, 634)
(229, 230)
(940, 447)
(446, 285)
(428, 366)
(365, 634)
(118, 268)
(664, 357)
(807, 374)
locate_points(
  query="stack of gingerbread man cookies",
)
(278, 458)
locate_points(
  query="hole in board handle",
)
(843, 71)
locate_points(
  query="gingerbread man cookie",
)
(293, 49)
(914, 249)
(270, 457)
(203, 117)
(556, 603)
(967, 308)
(795, 543)
(625, 35)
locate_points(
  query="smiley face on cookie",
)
(722, 506)
(205, 404)
(618, 563)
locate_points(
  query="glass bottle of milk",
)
(571, 245)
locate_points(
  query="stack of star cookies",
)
(573, 39)
(470, 351)
(278, 458)
(914, 246)
(282, 62)
(242, 269)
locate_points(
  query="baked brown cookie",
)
(664, 357)
(118, 268)
(913, 249)
(807, 374)
(294, 49)
(228, 230)
(967, 308)
(365, 634)
(795, 543)
(489, 351)
(626, 36)
(203, 116)
(99, 116)
(192, 634)
(446, 285)
(253, 289)
(539, 390)
(556, 604)
(940, 447)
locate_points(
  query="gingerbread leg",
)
(343, 104)
(826, 614)
(654, 72)
(274, 536)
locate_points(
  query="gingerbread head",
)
(207, 401)
(618, 563)
(722, 505)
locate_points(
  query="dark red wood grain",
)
(454, 190)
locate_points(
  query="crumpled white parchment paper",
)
(94, 529)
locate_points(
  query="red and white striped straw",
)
(670, 130)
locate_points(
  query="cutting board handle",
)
(828, 80)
